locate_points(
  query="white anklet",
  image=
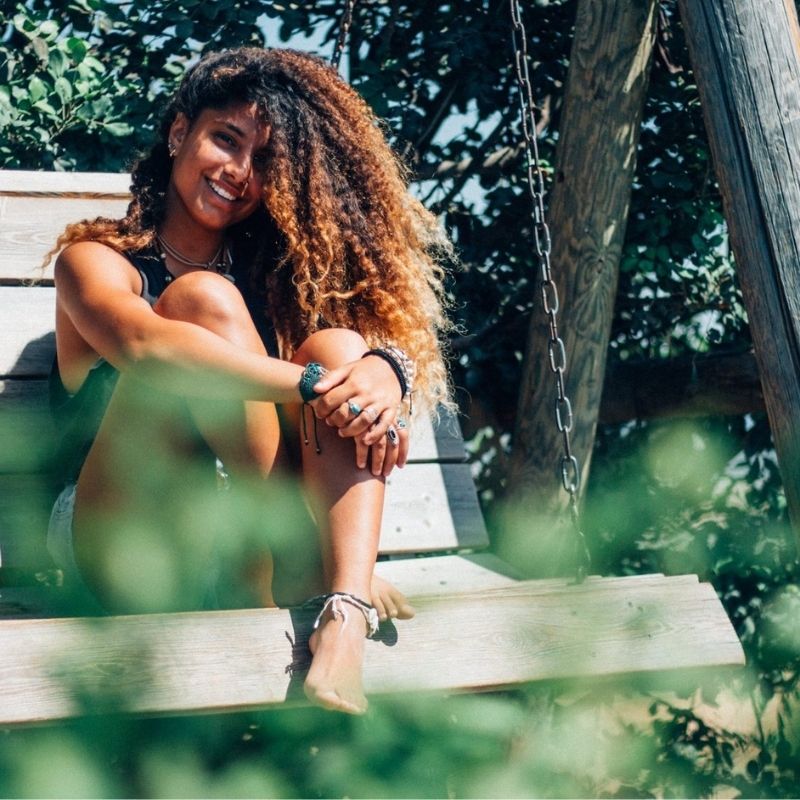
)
(335, 601)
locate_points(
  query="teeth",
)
(221, 192)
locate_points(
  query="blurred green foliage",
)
(81, 85)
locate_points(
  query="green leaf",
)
(49, 30)
(118, 128)
(57, 63)
(77, 49)
(41, 49)
(43, 105)
(36, 89)
(64, 90)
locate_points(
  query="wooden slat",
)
(239, 659)
(27, 321)
(30, 226)
(66, 184)
(429, 508)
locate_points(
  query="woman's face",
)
(218, 168)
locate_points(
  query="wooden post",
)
(745, 57)
(608, 76)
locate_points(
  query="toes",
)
(377, 601)
(332, 701)
(406, 610)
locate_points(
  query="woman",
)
(271, 255)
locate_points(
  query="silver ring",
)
(401, 423)
(391, 435)
(355, 408)
(371, 414)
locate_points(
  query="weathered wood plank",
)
(429, 508)
(595, 164)
(29, 227)
(64, 184)
(248, 659)
(747, 67)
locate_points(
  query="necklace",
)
(178, 256)
(222, 258)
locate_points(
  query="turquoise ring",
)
(355, 408)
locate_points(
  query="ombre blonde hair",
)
(340, 242)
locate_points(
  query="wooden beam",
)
(595, 165)
(747, 67)
(231, 660)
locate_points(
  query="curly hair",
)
(354, 248)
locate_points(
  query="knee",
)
(204, 298)
(331, 347)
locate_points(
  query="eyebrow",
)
(231, 126)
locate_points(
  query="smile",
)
(220, 192)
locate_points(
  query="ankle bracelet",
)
(335, 601)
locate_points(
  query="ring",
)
(401, 423)
(391, 435)
(355, 408)
(371, 414)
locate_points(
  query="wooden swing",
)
(479, 626)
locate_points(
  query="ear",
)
(178, 131)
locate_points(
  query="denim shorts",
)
(62, 551)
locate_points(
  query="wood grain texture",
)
(249, 659)
(64, 184)
(595, 165)
(747, 67)
(30, 225)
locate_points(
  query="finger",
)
(344, 414)
(402, 450)
(390, 460)
(378, 431)
(377, 601)
(378, 451)
(361, 423)
(332, 378)
(362, 454)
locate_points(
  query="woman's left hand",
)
(361, 400)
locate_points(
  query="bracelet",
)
(397, 366)
(312, 374)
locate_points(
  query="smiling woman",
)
(271, 172)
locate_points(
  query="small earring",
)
(171, 149)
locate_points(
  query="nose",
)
(241, 170)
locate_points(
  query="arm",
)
(97, 291)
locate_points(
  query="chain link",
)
(344, 30)
(570, 468)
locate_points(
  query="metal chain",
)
(556, 352)
(344, 30)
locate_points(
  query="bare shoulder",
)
(95, 263)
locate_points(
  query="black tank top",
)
(77, 416)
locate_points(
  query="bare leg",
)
(348, 504)
(139, 466)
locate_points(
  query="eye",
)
(225, 138)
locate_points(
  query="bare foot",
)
(334, 678)
(389, 602)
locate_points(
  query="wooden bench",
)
(479, 626)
